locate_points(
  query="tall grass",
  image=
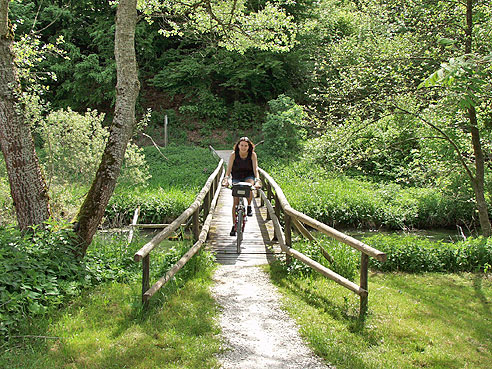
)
(178, 173)
(341, 201)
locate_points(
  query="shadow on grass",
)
(454, 299)
(108, 327)
(477, 286)
(346, 312)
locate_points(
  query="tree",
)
(127, 89)
(368, 103)
(466, 84)
(238, 28)
(27, 185)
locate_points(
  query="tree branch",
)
(157, 147)
(445, 136)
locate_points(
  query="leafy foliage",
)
(282, 127)
(40, 271)
(341, 201)
(417, 255)
(74, 144)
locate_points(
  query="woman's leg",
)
(236, 202)
(250, 198)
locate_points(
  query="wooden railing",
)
(205, 201)
(292, 217)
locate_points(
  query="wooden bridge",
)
(264, 239)
(257, 247)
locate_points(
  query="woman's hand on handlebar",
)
(225, 182)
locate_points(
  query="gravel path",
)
(258, 332)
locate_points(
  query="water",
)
(445, 235)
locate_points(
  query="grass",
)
(174, 184)
(426, 320)
(341, 201)
(107, 328)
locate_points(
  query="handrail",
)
(294, 217)
(216, 154)
(366, 249)
(306, 260)
(189, 254)
(166, 232)
(206, 200)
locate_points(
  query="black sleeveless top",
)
(242, 168)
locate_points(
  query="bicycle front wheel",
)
(239, 229)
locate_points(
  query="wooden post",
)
(269, 197)
(277, 208)
(206, 205)
(288, 236)
(364, 268)
(165, 130)
(134, 222)
(196, 224)
(145, 277)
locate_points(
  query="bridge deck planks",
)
(256, 247)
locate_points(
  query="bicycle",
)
(241, 190)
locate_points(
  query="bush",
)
(417, 254)
(281, 128)
(40, 270)
(156, 205)
(74, 144)
(338, 200)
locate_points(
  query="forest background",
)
(380, 90)
(379, 110)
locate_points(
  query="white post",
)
(165, 130)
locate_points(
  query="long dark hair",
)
(250, 144)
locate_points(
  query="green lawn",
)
(414, 320)
(107, 328)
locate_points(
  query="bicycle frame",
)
(241, 190)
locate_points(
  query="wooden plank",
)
(134, 221)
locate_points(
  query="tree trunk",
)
(27, 185)
(127, 89)
(478, 183)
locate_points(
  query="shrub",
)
(74, 144)
(281, 128)
(338, 200)
(156, 205)
(417, 254)
(40, 270)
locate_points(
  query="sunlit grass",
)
(107, 328)
(426, 320)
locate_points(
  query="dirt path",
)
(259, 334)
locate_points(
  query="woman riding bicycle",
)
(243, 164)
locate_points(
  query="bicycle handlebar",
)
(230, 185)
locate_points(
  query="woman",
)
(243, 164)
